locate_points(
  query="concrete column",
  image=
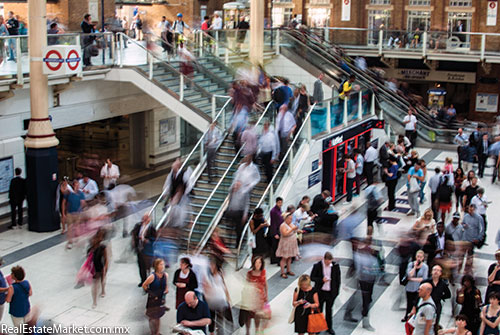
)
(257, 32)
(40, 133)
(41, 142)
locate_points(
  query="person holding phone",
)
(416, 272)
(305, 298)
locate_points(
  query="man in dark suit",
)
(435, 245)
(17, 194)
(326, 277)
(483, 154)
(143, 237)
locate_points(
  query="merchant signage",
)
(431, 75)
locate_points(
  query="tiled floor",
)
(52, 271)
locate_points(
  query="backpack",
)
(341, 87)
(279, 95)
(410, 326)
(444, 192)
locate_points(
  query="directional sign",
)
(53, 60)
(62, 59)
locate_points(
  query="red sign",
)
(493, 4)
(50, 60)
(73, 60)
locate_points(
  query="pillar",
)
(257, 32)
(41, 142)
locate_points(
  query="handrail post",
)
(328, 116)
(122, 40)
(345, 121)
(380, 41)
(202, 152)
(271, 194)
(309, 128)
(150, 62)
(360, 105)
(78, 43)
(290, 161)
(483, 46)
(372, 106)
(113, 48)
(217, 43)
(224, 119)
(181, 87)
(424, 44)
(201, 42)
(226, 57)
(20, 76)
(214, 106)
(277, 41)
(327, 35)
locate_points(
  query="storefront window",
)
(418, 19)
(460, 23)
(281, 16)
(319, 17)
(420, 2)
(377, 19)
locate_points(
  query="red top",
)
(204, 25)
(260, 283)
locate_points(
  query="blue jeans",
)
(12, 48)
(422, 193)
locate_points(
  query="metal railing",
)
(198, 147)
(204, 239)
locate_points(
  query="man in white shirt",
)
(300, 216)
(481, 202)
(351, 176)
(371, 155)
(163, 25)
(88, 187)
(268, 149)
(461, 140)
(433, 184)
(286, 125)
(110, 174)
(216, 22)
(410, 122)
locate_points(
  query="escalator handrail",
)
(198, 144)
(264, 195)
(204, 239)
(170, 67)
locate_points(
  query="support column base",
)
(42, 181)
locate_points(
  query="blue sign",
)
(315, 165)
(6, 173)
(314, 178)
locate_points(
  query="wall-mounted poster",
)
(167, 131)
(487, 102)
(491, 14)
(6, 173)
(346, 10)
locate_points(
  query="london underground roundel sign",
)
(54, 60)
(73, 60)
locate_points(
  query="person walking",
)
(268, 148)
(18, 297)
(17, 194)
(410, 122)
(351, 177)
(100, 259)
(458, 178)
(212, 142)
(481, 202)
(483, 154)
(360, 161)
(273, 234)
(416, 272)
(143, 237)
(318, 95)
(469, 297)
(373, 201)
(156, 286)
(286, 126)
(258, 308)
(305, 298)
(73, 204)
(326, 277)
(184, 280)
(371, 155)
(217, 297)
(288, 247)
(13, 28)
(415, 179)
(258, 226)
(473, 234)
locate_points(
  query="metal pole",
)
(19, 54)
(372, 106)
(121, 50)
(360, 105)
(226, 57)
(201, 42)
(102, 30)
(309, 129)
(214, 106)
(278, 42)
(150, 62)
(113, 49)
(483, 46)
(424, 45)
(181, 88)
(380, 41)
(345, 121)
(328, 116)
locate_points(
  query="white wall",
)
(282, 66)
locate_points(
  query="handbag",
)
(86, 273)
(291, 318)
(265, 312)
(252, 243)
(414, 186)
(404, 280)
(316, 322)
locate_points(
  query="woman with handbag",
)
(258, 226)
(156, 286)
(217, 298)
(100, 261)
(257, 306)
(305, 299)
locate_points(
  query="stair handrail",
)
(208, 233)
(166, 64)
(186, 160)
(305, 123)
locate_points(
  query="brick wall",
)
(483, 88)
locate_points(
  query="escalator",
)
(304, 48)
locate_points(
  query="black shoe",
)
(348, 317)
(139, 285)
(331, 331)
(12, 227)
